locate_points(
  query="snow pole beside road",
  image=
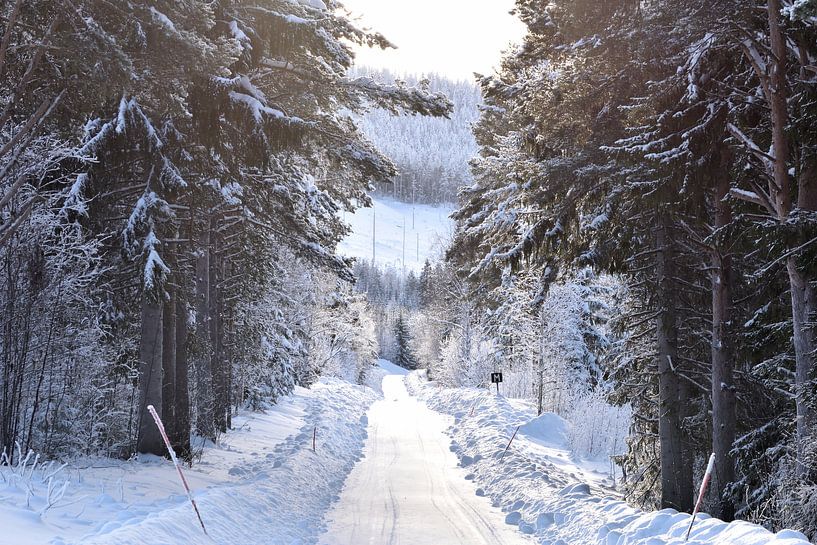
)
(509, 442)
(704, 483)
(161, 427)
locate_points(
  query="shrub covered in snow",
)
(598, 430)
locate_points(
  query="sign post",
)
(496, 378)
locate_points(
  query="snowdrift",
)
(550, 496)
(547, 429)
(262, 485)
(391, 368)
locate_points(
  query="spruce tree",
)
(210, 155)
(403, 354)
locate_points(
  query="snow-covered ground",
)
(261, 485)
(558, 500)
(425, 465)
(426, 228)
(408, 488)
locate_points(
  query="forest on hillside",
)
(432, 154)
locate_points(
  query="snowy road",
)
(408, 490)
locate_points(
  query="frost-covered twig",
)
(27, 474)
(53, 495)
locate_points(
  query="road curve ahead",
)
(408, 490)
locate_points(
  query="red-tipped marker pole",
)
(161, 427)
(509, 443)
(705, 483)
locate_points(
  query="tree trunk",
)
(803, 304)
(686, 485)
(149, 439)
(781, 188)
(676, 473)
(723, 388)
(7, 416)
(216, 338)
(806, 300)
(228, 362)
(169, 364)
(181, 429)
(204, 371)
(540, 366)
(802, 293)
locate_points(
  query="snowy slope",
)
(261, 485)
(545, 493)
(426, 230)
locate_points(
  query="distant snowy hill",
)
(417, 231)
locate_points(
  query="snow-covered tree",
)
(214, 140)
(403, 352)
(431, 154)
(342, 334)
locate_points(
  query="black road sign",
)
(496, 378)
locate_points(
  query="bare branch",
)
(4, 45)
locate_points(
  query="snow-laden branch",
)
(752, 147)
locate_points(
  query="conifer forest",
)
(309, 268)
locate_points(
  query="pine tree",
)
(403, 353)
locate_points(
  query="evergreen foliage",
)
(431, 154)
(172, 177)
(666, 144)
(403, 355)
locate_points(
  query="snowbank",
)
(547, 494)
(390, 368)
(547, 428)
(261, 485)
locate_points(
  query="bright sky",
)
(451, 37)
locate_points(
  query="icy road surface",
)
(407, 489)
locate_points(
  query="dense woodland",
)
(635, 242)
(171, 180)
(672, 146)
